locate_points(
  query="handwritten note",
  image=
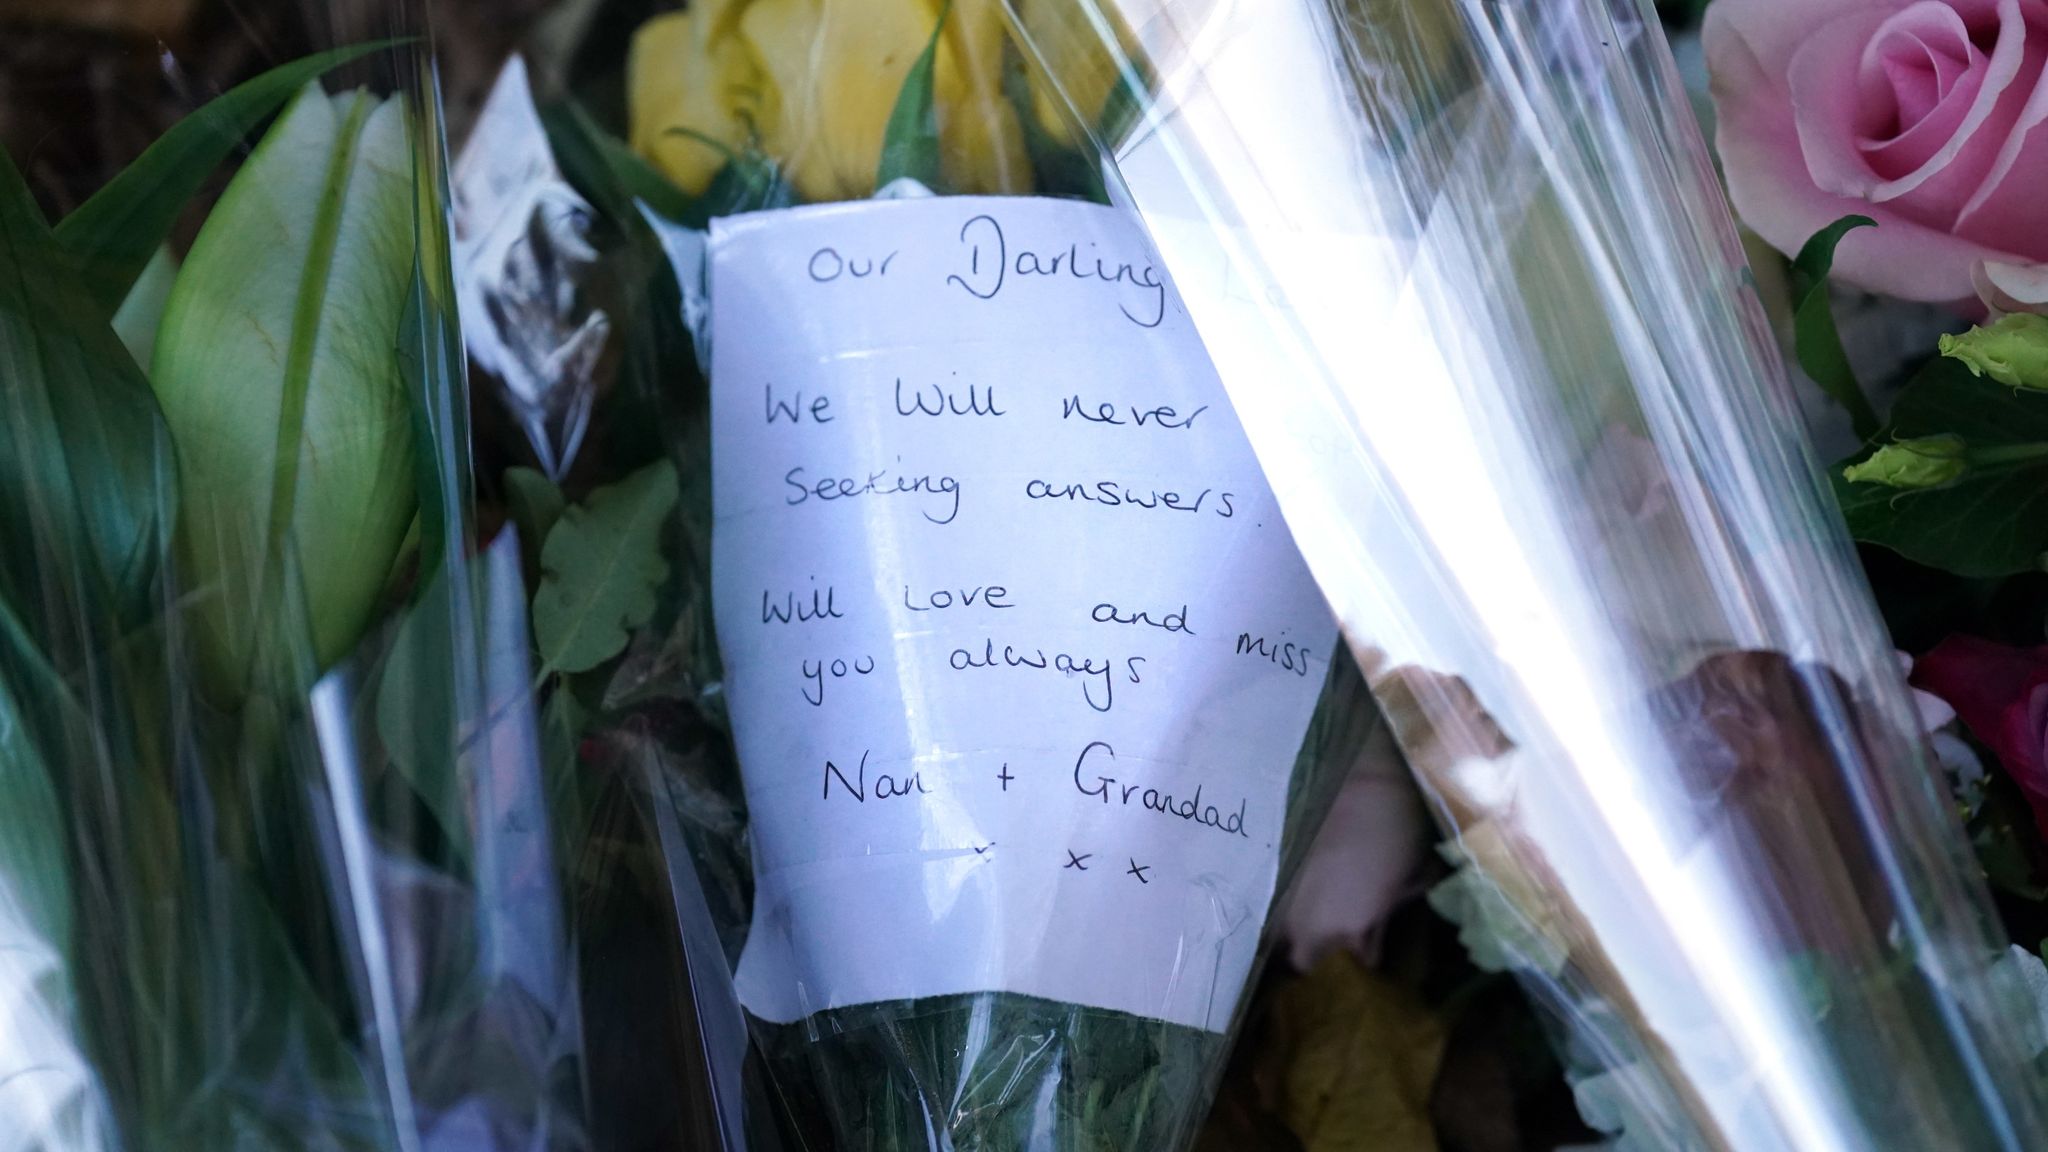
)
(1019, 652)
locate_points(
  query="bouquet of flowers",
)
(1563, 506)
(271, 870)
(857, 669)
(895, 542)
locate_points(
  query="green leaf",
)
(1059, 168)
(137, 319)
(562, 723)
(113, 235)
(750, 182)
(2019, 987)
(85, 463)
(1993, 521)
(612, 176)
(1818, 344)
(910, 141)
(607, 172)
(35, 889)
(601, 569)
(419, 705)
(536, 504)
(277, 368)
(1498, 936)
(1622, 1104)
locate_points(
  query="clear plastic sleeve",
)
(1466, 271)
(276, 867)
(623, 287)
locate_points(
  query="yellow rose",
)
(811, 83)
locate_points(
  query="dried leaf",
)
(1359, 1057)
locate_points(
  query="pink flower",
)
(1921, 114)
(2001, 694)
(2011, 287)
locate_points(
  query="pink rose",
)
(2001, 694)
(1921, 114)
(2012, 287)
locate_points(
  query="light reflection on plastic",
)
(1245, 145)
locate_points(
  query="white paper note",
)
(1019, 653)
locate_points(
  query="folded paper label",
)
(1019, 653)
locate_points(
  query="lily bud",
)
(2014, 351)
(811, 83)
(276, 366)
(1915, 465)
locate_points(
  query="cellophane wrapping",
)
(1466, 270)
(276, 868)
(650, 214)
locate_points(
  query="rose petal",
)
(1770, 190)
(2007, 57)
(1934, 712)
(2015, 216)
(1980, 679)
(1906, 153)
(2001, 694)
(1827, 111)
(1759, 147)
(2001, 176)
(1913, 62)
(2007, 287)
(1772, 30)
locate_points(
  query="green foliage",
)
(613, 177)
(113, 236)
(535, 504)
(167, 872)
(85, 462)
(1818, 344)
(1993, 519)
(601, 166)
(137, 319)
(601, 569)
(910, 141)
(1497, 935)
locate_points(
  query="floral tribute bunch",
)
(599, 448)
(599, 443)
(268, 869)
(1899, 150)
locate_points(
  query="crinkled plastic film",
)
(668, 162)
(276, 864)
(1467, 274)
